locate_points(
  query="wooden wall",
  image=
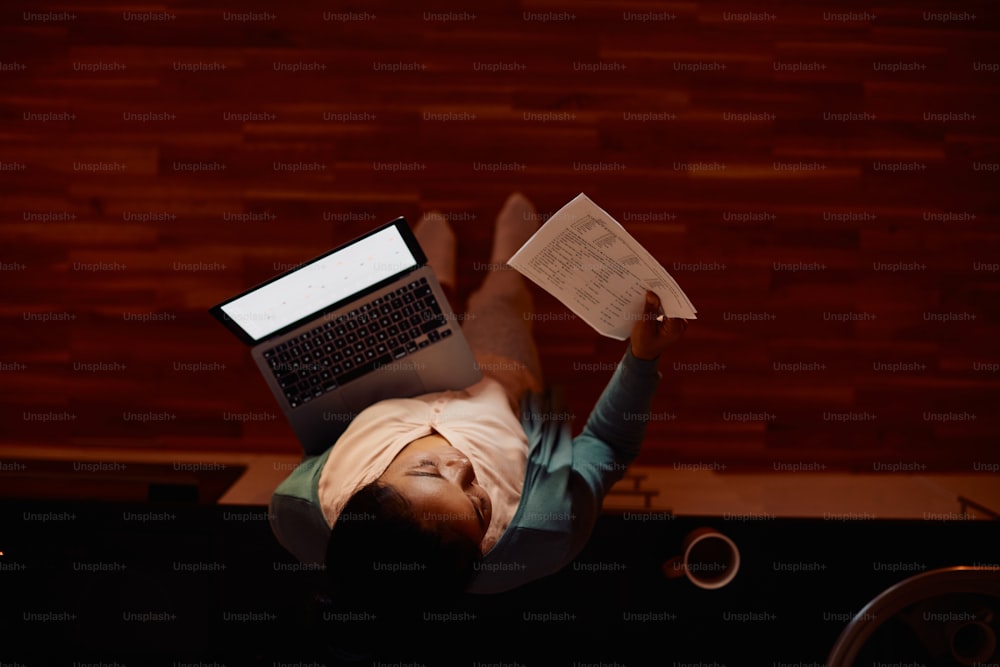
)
(821, 178)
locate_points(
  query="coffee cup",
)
(709, 559)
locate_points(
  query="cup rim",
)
(730, 573)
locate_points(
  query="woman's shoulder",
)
(295, 514)
(302, 480)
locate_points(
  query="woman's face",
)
(439, 483)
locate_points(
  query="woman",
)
(482, 489)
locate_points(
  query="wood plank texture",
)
(822, 182)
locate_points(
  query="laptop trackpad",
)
(397, 382)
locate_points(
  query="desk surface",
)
(682, 490)
(121, 583)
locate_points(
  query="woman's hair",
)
(383, 568)
(378, 550)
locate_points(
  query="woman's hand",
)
(650, 337)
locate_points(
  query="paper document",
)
(584, 258)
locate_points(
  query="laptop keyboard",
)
(355, 343)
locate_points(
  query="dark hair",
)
(379, 550)
(383, 568)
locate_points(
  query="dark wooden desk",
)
(193, 570)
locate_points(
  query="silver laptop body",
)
(362, 323)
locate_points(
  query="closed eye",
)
(425, 463)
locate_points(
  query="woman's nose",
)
(459, 470)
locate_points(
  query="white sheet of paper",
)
(584, 258)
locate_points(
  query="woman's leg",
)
(499, 314)
(437, 239)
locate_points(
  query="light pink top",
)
(478, 421)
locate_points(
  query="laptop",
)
(364, 322)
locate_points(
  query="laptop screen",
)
(321, 283)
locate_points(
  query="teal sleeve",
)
(564, 489)
(610, 440)
(295, 515)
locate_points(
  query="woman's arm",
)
(614, 431)
(613, 434)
